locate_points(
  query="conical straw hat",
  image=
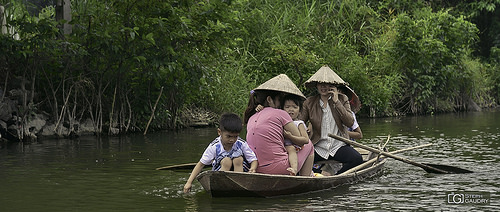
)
(325, 75)
(281, 83)
(353, 99)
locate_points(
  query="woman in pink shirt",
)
(265, 129)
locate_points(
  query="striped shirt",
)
(215, 150)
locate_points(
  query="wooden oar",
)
(431, 168)
(178, 166)
(367, 163)
(382, 148)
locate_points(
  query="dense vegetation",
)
(401, 57)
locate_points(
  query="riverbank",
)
(18, 127)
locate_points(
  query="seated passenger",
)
(227, 152)
(266, 129)
(329, 112)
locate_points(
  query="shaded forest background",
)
(126, 60)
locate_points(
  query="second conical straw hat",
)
(353, 99)
(325, 75)
(281, 83)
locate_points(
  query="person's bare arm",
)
(303, 131)
(356, 134)
(253, 166)
(196, 170)
(293, 133)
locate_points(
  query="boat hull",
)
(242, 184)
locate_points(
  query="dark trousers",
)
(347, 155)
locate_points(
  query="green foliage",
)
(477, 81)
(430, 49)
(145, 45)
(224, 89)
(494, 69)
(399, 56)
(475, 8)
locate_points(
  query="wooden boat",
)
(242, 184)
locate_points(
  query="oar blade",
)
(449, 169)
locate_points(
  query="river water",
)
(118, 174)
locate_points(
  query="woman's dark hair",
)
(259, 98)
(296, 99)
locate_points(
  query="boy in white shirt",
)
(228, 152)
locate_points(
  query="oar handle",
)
(365, 164)
(178, 166)
(354, 143)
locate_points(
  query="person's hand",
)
(334, 93)
(251, 170)
(187, 187)
(287, 134)
(259, 108)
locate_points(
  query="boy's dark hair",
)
(230, 122)
(296, 99)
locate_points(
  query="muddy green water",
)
(118, 174)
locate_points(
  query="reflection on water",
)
(103, 174)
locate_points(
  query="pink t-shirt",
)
(265, 137)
